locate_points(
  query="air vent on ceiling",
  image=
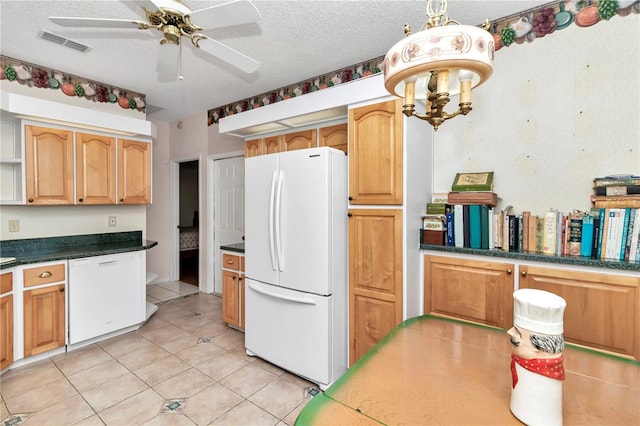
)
(55, 38)
(149, 109)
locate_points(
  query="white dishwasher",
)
(106, 294)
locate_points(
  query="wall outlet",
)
(112, 221)
(14, 225)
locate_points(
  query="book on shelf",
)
(616, 180)
(491, 225)
(634, 247)
(436, 208)
(574, 240)
(505, 231)
(474, 226)
(599, 213)
(616, 201)
(617, 190)
(478, 181)
(514, 232)
(525, 230)
(539, 234)
(625, 231)
(549, 232)
(435, 222)
(532, 234)
(458, 226)
(586, 235)
(450, 228)
(429, 236)
(473, 197)
(439, 197)
(466, 226)
(484, 226)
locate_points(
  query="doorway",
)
(189, 222)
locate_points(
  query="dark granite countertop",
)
(237, 247)
(538, 257)
(37, 250)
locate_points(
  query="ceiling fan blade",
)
(96, 22)
(172, 5)
(225, 15)
(168, 62)
(227, 54)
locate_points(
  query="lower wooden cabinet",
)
(44, 319)
(603, 310)
(375, 277)
(6, 320)
(233, 290)
(473, 290)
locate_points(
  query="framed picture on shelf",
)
(482, 181)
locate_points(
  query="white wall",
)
(556, 113)
(55, 221)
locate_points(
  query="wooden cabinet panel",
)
(230, 298)
(49, 165)
(43, 275)
(230, 261)
(375, 275)
(299, 140)
(253, 148)
(134, 172)
(6, 330)
(272, 144)
(335, 137)
(473, 290)
(603, 310)
(6, 282)
(241, 283)
(44, 319)
(375, 154)
(95, 169)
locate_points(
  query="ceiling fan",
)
(176, 20)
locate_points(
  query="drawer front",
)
(6, 282)
(230, 261)
(43, 275)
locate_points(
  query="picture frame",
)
(479, 181)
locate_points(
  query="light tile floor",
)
(183, 367)
(169, 290)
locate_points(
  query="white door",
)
(229, 208)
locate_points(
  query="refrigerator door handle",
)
(304, 300)
(272, 250)
(277, 221)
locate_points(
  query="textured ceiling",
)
(294, 41)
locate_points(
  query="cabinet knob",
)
(45, 274)
(62, 290)
(350, 198)
(80, 200)
(229, 262)
(509, 271)
(234, 278)
(122, 200)
(523, 273)
(31, 200)
(349, 214)
(240, 279)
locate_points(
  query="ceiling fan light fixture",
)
(443, 59)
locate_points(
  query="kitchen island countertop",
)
(237, 247)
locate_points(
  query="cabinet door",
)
(49, 165)
(6, 330)
(253, 148)
(44, 319)
(603, 310)
(271, 145)
(375, 154)
(241, 283)
(134, 172)
(375, 277)
(473, 290)
(334, 136)
(95, 169)
(230, 297)
(299, 140)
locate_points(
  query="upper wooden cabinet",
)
(134, 172)
(335, 137)
(95, 169)
(49, 165)
(375, 277)
(299, 140)
(271, 145)
(375, 154)
(253, 148)
(474, 290)
(603, 310)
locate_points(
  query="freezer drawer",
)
(106, 294)
(292, 330)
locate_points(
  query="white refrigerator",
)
(296, 262)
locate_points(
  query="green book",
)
(473, 182)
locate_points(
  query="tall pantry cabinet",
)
(389, 185)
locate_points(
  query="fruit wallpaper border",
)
(33, 75)
(527, 25)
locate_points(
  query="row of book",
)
(616, 191)
(601, 233)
